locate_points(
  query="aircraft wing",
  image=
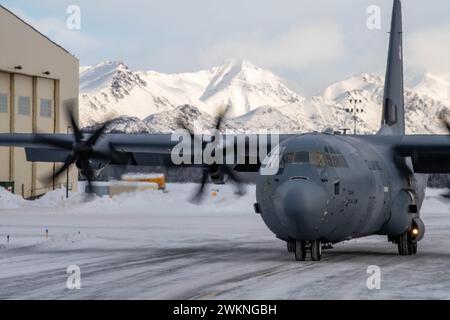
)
(429, 153)
(36, 148)
(137, 149)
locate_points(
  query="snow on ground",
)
(155, 245)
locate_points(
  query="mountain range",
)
(148, 101)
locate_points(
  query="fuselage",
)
(338, 187)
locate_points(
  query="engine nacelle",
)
(217, 177)
(96, 166)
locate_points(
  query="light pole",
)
(354, 110)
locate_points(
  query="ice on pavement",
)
(156, 245)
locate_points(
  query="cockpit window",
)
(301, 157)
(316, 158)
(289, 157)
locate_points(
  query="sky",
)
(310, 44)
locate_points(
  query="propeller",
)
(212, 170)
(81, 149)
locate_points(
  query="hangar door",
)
(27, 105)
(22, 122)
(5, 119)
(45, 123)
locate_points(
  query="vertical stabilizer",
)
(393, 116)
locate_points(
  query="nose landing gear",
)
(407, 245)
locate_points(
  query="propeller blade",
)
(221, 116)
(70, 109)
(67, 163)
(97, 134)
(88, 174)
(199, 195)
(240, 189)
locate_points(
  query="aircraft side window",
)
(335, 160)
(343, 162)
(327, 159)
(339, 161)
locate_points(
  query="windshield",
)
(315, 158)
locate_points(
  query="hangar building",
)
(37, 78)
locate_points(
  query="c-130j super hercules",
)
(328, 188)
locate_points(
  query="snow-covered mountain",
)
(423, 109)
(148, 101)
(111, 89)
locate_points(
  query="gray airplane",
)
(328, 187)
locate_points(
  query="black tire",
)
(316, 250)
(412, 248)
(402, 243)
(406, 245)
(300, 251)
(412, 245)
(290, 246)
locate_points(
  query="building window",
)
(3, 103)
(23, 107)
(46, 110)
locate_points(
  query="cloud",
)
(429, 49)
(75, 41)
(300, 47)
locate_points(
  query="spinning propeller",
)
(81, 149)
(215, 170)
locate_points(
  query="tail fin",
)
(393, 117)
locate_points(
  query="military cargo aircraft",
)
(327, 187)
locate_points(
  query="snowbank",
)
(9, 200)
(217, 199)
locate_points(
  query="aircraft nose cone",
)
(300, 206)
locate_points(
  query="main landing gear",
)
(299, 248)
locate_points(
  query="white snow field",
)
(154, 245)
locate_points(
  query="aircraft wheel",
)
(290, 246)
(412, 248)
(403, 244)
(300, 251)
(316, 250)
(412, 245)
